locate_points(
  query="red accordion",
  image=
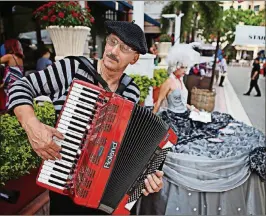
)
(110, 146)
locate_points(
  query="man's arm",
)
(52, 82)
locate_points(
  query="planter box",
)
(156, 91)
(29, 190)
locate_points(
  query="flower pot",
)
(163, 49)
(156, 91)
(68, 40)
(28, 189)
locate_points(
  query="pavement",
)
(230, 98)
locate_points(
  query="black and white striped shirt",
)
(54, 82)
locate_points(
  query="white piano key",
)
(85, 117)
(60, 143)
(48, 169)
(69, 118)
(90, 107)
(74, 153)
(61, 175)
(67, 123)
(70, 115)
(76, 94)
(71, 106)
(67, 156)
(45, 181)
(64, 126)
(77, 100)
(81, 86)
(47, 163)
(51, 178)
(68, 137)
(65, 163)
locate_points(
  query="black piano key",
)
(86, 101)
(57, 177)
(71, 135)
(75, 129)
(91, 91)
(71, 141)
(56, 183)
(62, 165)
(68, 148)
(61, 171)
(67, 159)
(79, 119)
(66, 153)
(77, 124)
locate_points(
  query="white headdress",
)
(182, 55)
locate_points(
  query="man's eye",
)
(125, 47)
(114, 41)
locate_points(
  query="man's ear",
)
(136, 58)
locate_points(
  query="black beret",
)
(128, 32)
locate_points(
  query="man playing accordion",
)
(124, 44)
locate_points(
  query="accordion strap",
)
(124, 83)
(87, 66)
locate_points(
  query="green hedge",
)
(16, 154)
(159, 76)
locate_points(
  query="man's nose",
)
(116, 49)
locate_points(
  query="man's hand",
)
(41, 139)
(153, 183)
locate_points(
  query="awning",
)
(122, 6)
(148, 19)
(119, 5)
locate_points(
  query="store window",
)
(256, 8)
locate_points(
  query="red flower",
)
(52, 3)
(53, 18)
(51, 12)
(45, 18)
(88, 9)
(74, 14)
(92, 20)
(61, 14)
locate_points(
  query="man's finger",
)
(159, 173)
(54, 146)
(153, 184)
(145, 193)
(57, 133)
(148, 186)
(46, 156)
(54, 153)
(158, 181)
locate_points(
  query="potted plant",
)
(68, 25)
(163, 47)
(144, 83)
(19, 163)
(159, 76)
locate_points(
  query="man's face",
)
(118, 55)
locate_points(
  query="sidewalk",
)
(227, 101)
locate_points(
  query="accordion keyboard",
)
(74, 122)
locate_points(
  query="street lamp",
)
(177, 24)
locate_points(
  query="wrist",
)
(27, 123)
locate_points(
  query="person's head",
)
(257, 60)
(180, 69)
(13, 46)
(125, 42)
(45, 53)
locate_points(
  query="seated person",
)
(44, 61)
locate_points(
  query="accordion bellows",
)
(110, 146)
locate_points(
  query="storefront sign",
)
(250, 35)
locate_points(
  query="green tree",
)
(191, 9)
